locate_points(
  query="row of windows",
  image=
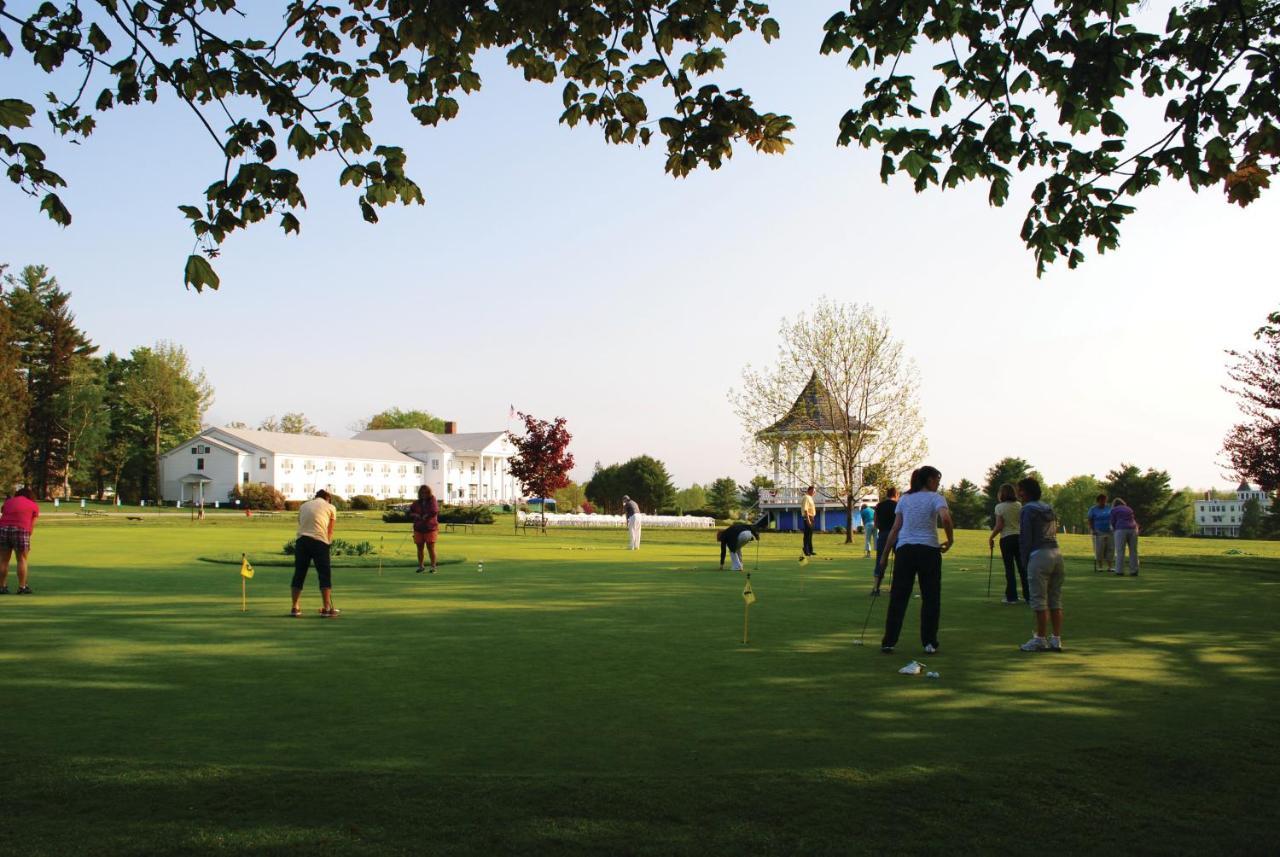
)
(309, 466)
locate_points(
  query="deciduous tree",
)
(841, 396)
(1045, 87)
(542, 460)
(295, 422)
(162, 384)
(1253, 446)
(394, 418)
(1072, 500)
(1156, 506)
(691, 499)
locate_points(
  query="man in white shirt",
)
(632, 512)
(808, 511)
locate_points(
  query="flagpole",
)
(382, 543)
(746, 621)
(244, 591)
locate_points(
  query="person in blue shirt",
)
(1100, 529)
(868, 516)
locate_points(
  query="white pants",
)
(735, 553)
(633, 531)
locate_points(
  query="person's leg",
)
(431, 549)
(1117, 536)
(324, 571)
(1009, 550)
(930, 597)
(882, 537)
(5, 553)
(1037, 568)
(735, 559)
(22, 569)
(420, 545)
(1133, 551)
(301, 561)
(904, 576)
(1057, 575)
(1022, 570)
(808, 538)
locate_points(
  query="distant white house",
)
(1223, 517)
(460, 468)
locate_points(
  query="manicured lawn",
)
(579, 698)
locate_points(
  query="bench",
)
(467, 528)
(90, 513)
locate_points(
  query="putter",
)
(991, 558)
(866, 621)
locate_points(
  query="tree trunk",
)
(156, 438)
(848, 511)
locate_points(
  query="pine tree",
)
(13, 401)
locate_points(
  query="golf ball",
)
(480, 566)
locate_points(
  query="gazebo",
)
(796, 443)
(196, 481)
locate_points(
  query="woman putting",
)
(914, 538)
(425, 514)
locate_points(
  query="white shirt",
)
(919, 513)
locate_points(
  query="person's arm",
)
(724, 546)
(1024, 537)
(996, 530)
(333, 520)
(948, 527)
(890, 543)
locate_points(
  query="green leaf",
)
(941, 101)
(15, 113)
(1021, 83)
(913, 162)
(191, 211)
(199, 273)
(290, 223)
(57, 212)
(98, 39)
(769, 30)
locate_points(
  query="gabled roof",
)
(417, 440)
(813, 413)
(203, 438)
(473, 442)
(283, 443)
(406, 440)
(1244, 486)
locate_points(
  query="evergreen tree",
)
(722, 497)
(969, 508)
(13, 401)
(1156, 506)
(1008, 470)
(1251, 520)
(50, 346)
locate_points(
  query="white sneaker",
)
(1035, 644)
(913, 668)
(1055, 644)
(931, 649)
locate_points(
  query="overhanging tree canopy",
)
(1038, 86)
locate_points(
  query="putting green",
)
(579, 697)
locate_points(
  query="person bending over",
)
(316, 520)
(732, 540)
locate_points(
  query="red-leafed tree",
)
(1253, 446)
(542, 461)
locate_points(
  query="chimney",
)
(450, 427)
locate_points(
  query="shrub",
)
(466, 515)
(339, 547)
(588, 508)
(365, 503)
(293, 505)
(339, 503)
(396, 516)
(839, 530)
(257, 496)
(506, 507)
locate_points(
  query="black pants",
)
(808, 537)
(913, 561)
(1012, 556)
(310, 550)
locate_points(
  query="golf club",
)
(867, 620)
(991, 558)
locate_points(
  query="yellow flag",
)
(748, 594)
(246, 570)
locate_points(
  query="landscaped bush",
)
(365, 503)
(506, 507)
(293, 505)
(588, 508)
(396, 516)
(466, 515)
(339, 503)
(339, 547)
(257, 496)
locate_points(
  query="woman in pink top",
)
(17, 520)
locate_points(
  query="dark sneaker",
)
(296, 613)
(431, 570)
(420, 570)
(331, 613)
(24, 590)
(886, 650)
(4, 590)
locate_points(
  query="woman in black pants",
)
(914, 537)
(1007, 527)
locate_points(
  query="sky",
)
(567, 277)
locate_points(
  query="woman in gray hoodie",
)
(1038, 541)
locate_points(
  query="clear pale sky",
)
(567, 277)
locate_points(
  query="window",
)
(435, 464)
(199, 464)
(262, 463)
(286, 488)
(195, 450)
(368, 468)
(403, 469)
(309, 465)
(328, 467)
(245, 480)
(351, 467)
(286, 464)
(417, 468)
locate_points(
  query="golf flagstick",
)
(382, 544)
(748, 598)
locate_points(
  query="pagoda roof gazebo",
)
(812, 415)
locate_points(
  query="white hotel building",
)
(392, 463)
(1223, 517)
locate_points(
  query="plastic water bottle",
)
(480, 566)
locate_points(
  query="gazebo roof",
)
(192, 478)
(813, 413)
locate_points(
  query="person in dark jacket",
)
(734, 537)
(886, 510)
(425, 514)
(1038, 542)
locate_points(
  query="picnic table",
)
(90, 513)
(466, 528)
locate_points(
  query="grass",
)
(579, 698)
